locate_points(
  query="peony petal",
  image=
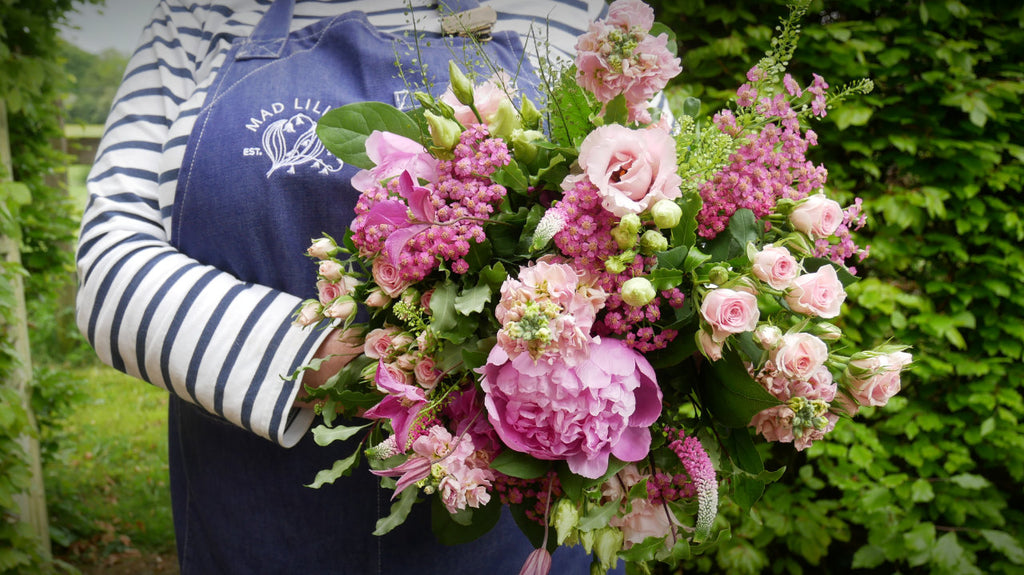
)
(589, 467)
(633, 445)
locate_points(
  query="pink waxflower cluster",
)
(547, 312)
(447, 214)
(619, 56)
(586, 239)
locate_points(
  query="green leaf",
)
(733, 240)
(344, 130)
(324, 435)
(447, 321)
(473, 300)
(868, 557)
(449, 531)
(747, 491)
(665, 279)
(520, 465)
(970, 481)
(742, 452)
(399, 511)
(512, 177)
(341, 467)
(731, 395)
(598, 516)
(672, 259)
(616, 111)
(1006, 544)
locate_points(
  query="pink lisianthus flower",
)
(632, 169)
(729, 311)
(548, 311)
(775, 266)
(818, 294)
(487, 98)
(393, 154)
(581, 414)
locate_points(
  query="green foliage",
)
(96, 78)
(38, 216)
(931, 482)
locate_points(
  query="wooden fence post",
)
(32, 503)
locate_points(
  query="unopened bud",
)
(322, 248)
(461, 86)
(443, 132)
(565, 518)
(653, 241)
(504, 121)
(638, 291)
(718, 275)
(666, 214)
(607, 544)
(827, 331)
(531, 116)
(767, 336)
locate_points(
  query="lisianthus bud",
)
(607, 544)
(653, 241)
(504, 120)
(630, 223)
(443, 132)
(565, 519)
(523, 144)
(461, 86)
(531, 116)
(638, 291)
(322, 248)
(666, 214)
(718, 275)
(623, 237)
(767, 336)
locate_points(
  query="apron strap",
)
(267, 38)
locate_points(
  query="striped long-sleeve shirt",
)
(159, 315)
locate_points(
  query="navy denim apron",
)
(255, 186)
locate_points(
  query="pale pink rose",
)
(425, 300)
(397, 374)
(487, 98)
(767, 336)
(817, 216)
(406, 362)
(341, 308)
(309, 314)
(388, 277)
(645, 520)
(393, 154)
(708, 346)
(729, 312)
(880, 377)
(629, 14)
(818, 294)
(800, 355)
(775, 266)
(322, 248)
(330, 270)
(377, 343)
(377, 298)
(632, 169)
(619, 485)
(426, 373)
(329, 291)
(819, 385)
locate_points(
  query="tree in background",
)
(96, 78)
(932, 482)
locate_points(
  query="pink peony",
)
(729, 311)
(817, 216)
(632, 169)
(582, 414)
(818, 294)
(775, 266)
(393, 154)
(629, 14)
(874, 379)
(799, 355)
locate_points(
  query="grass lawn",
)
(107, 486)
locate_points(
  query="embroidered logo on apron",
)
(289, 141)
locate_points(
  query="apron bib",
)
(254, 187)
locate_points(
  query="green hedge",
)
(932, 482)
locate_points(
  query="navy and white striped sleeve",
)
(153, 312)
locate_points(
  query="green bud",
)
(638, 291)
(666, 214)
(631, 222)
(617, 264)
(504, 121)
(531, 116)
(827, 331)
(461, 86)
(718, 275)
(443, 132)
(565, 518)
(587, 539)
(523, 144)
(607, 544)
(624, 237)
(653, 241)
(784, 206)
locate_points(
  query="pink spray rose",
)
(329, 291)
(729, 311)
(377, 343)
(708, 346)
(817, 216)
(583, 414)
(818, 294)
(388, 277)
(799, 355)
(632, 169)
(874, 378)
(775, 266)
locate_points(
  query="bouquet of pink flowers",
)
(582, 311)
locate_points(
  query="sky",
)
(116, 25)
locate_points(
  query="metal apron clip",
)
(476, 22)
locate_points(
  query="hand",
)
(342, 347)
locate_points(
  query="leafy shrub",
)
(932, 482)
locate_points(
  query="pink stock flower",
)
(582, 414)
(393, 154)
(728, 312)
(632, 169)
(630, 14)
(818, 294)
(817, 216)
(875, 378)
(775, 266)
(799, 355)
(487, 97)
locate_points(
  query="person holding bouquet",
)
(207, 187)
